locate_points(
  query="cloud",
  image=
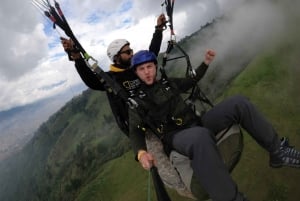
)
(33, 59)
(22, 40)
(249, 29)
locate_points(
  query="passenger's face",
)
(147, 72)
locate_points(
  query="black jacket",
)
(125, 78)
(162, 109)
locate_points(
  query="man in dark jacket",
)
(120, 54)
(163, 111)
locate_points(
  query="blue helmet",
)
(141, 57)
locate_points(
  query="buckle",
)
(161, 129)
(178, 121)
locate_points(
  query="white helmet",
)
(115, 46)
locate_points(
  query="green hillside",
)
(271, 83)
(65, 152)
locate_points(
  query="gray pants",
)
(239, 110)
(198, 143)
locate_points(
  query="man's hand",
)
(69, 47)
(209, 56)
(67, 44)
(146, 160)
(161, 22)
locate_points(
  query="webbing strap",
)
(190, 72)
(149, 187)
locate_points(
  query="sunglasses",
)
(129, 52)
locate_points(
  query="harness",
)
(162, 110)
(196, 93)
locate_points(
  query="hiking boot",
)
(286, 155)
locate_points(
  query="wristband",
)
(160, 27)
(140, 153)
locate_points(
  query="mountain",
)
(18, 124)
(77, 138)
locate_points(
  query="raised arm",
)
(85, 73)
(157, 35)
(208, 58)
(184, 84)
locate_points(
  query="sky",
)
(33, 65)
